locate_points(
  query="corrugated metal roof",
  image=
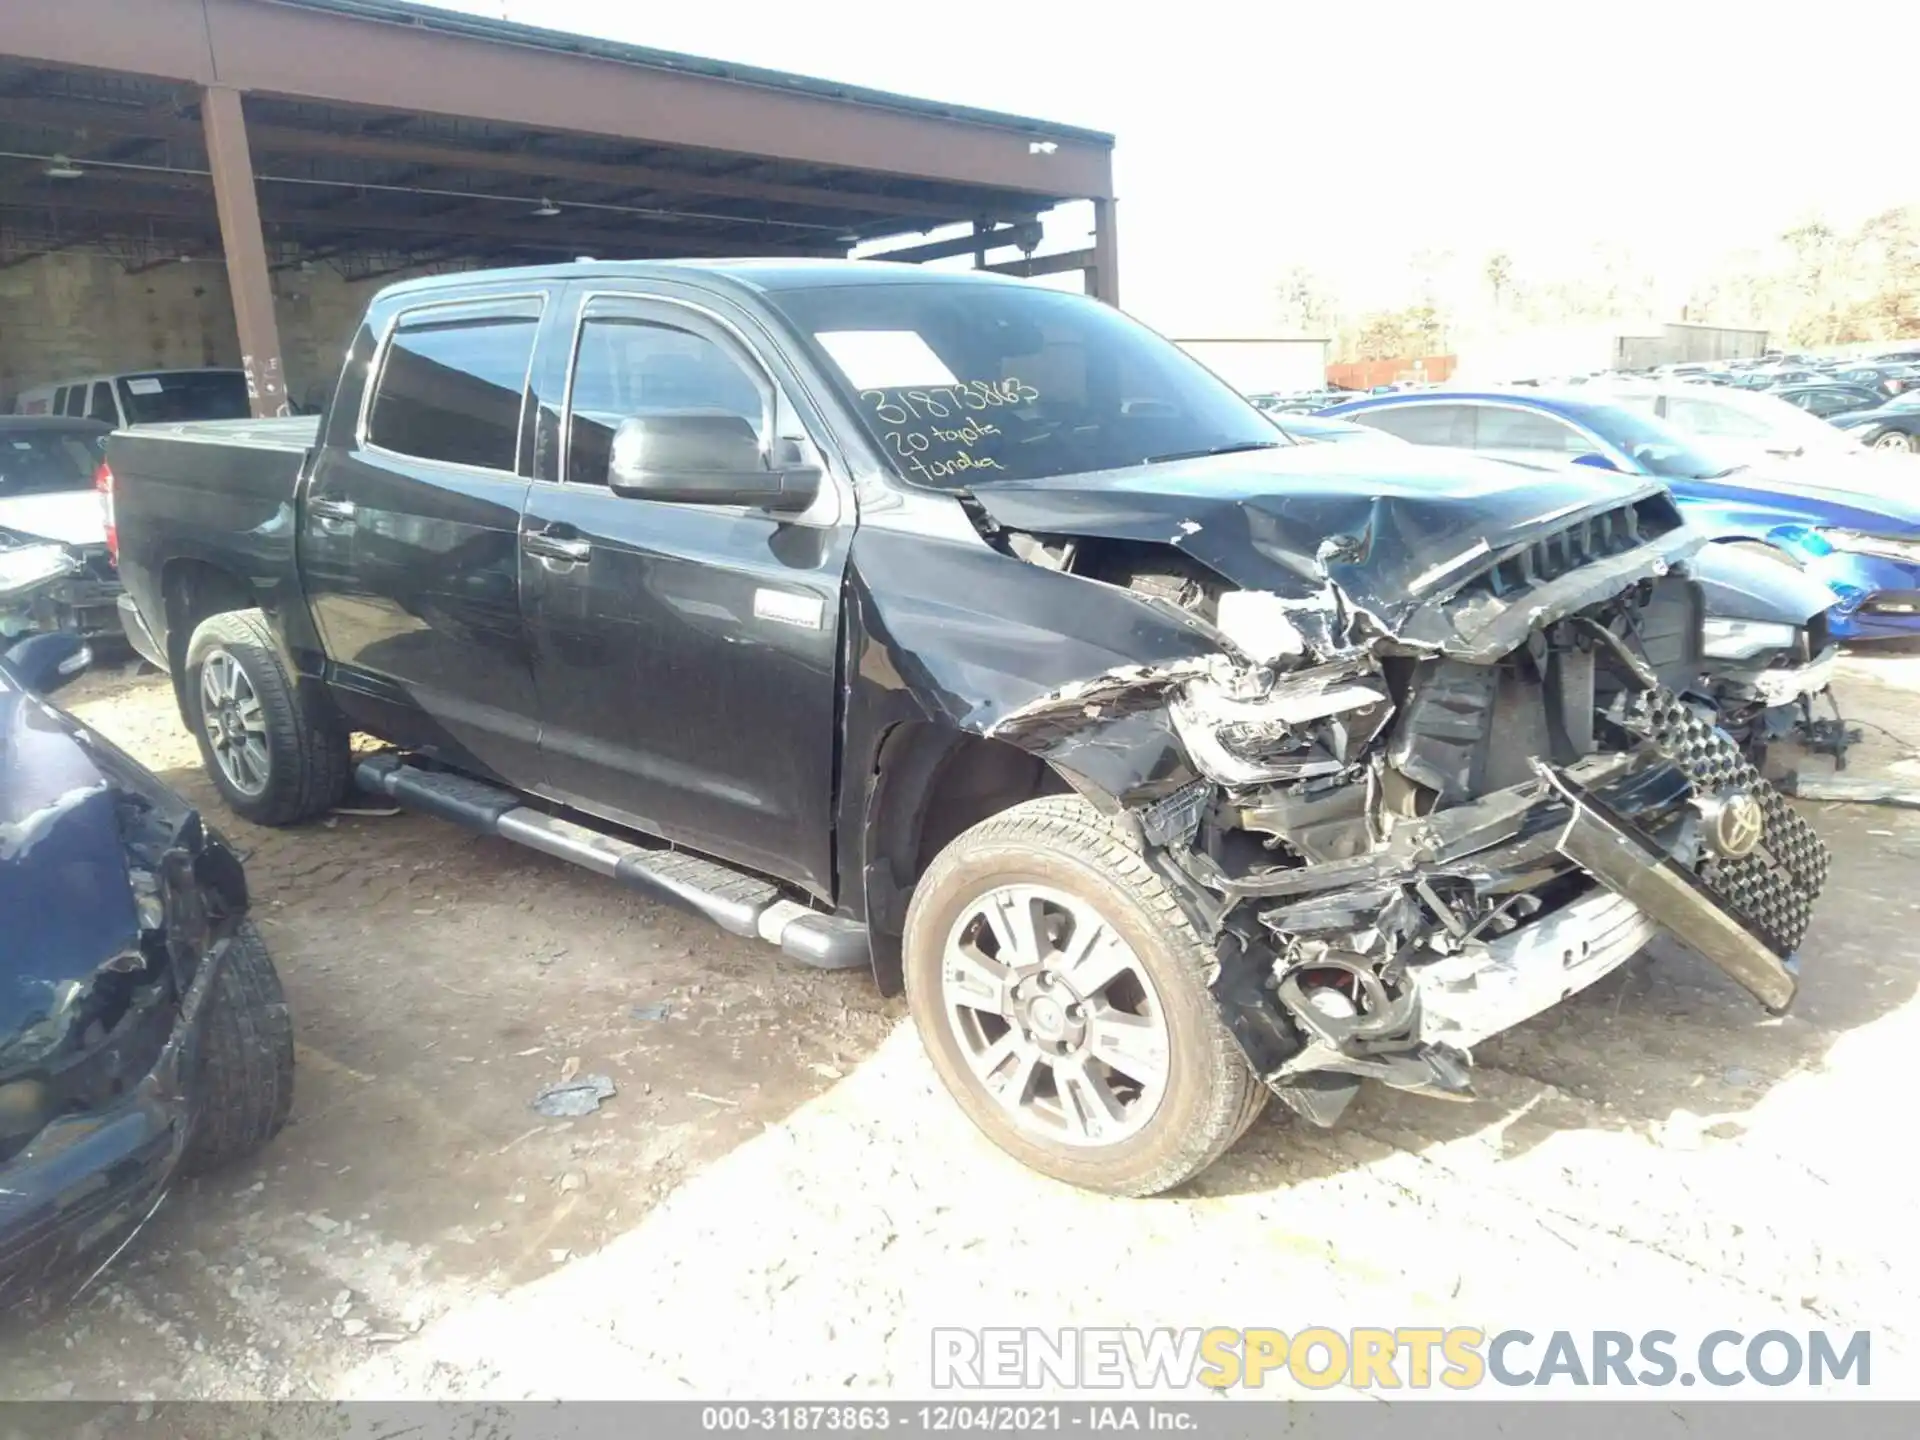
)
(513, 32)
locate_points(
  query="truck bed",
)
(218, 492)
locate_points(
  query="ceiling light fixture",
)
(63, 169)
(548, 209)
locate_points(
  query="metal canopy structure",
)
(378, 136)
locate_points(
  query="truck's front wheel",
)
(273, 762)
(1062, 995)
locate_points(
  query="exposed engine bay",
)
(1418, 819)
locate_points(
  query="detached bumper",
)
(1671, 896)
(1473, 995)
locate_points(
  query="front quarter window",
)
(965, 383)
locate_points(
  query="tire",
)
(292, 763)
(1895, 440)
(1061, 846)
(243, 1082)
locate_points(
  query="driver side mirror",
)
(44, 663)
(1597, 461)
(700, 458)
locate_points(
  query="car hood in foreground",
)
(65, 883)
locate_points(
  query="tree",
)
(1304, 303)
(1499, 277)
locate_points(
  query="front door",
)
(685, 655)
(410, 537)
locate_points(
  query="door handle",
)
(332, 512)
(549, 546)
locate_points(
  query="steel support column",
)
(1103, 277)
(239, 205)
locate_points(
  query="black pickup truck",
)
(968, 630)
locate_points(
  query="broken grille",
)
(1775, 887)
(1611, 532)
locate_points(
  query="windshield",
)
(1660, 449)
(184, 395)
(34, 462)
(963, 384)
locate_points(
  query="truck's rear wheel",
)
(1062, 995)
(273, 762)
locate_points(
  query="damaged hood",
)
(64, 883)
(1394, 528)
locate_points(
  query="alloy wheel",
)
(1055, 1015)
(233, 722)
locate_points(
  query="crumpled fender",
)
(1073, 670)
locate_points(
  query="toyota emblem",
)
(1737, 825)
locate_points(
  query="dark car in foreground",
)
(56, 566)
(968, 631)
(1894, 426)
(142, 1030)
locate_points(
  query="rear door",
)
(685, 655)
(409, 533)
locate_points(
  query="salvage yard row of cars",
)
(1169, 765)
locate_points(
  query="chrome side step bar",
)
(739, 903)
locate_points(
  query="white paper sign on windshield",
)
(885, 359)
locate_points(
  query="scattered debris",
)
(569, 1069)
(572, 1180)
(1861, 792)
(574, 1096)
(351, 1328)
(655, 1010)
(322, 1223)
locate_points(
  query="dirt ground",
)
(777, 1200)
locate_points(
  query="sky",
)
(1348, 137)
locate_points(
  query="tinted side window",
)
(59, 401)
(1422, 424)
(452, 387)
(1501, 429)
(102, 407)
(626, 367)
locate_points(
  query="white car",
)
(1748, 425)
(142, 397)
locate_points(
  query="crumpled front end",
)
(123, 907)
(1408, 832)
(48, 586)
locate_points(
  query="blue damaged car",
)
(143, 1033)
(1854, 526)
